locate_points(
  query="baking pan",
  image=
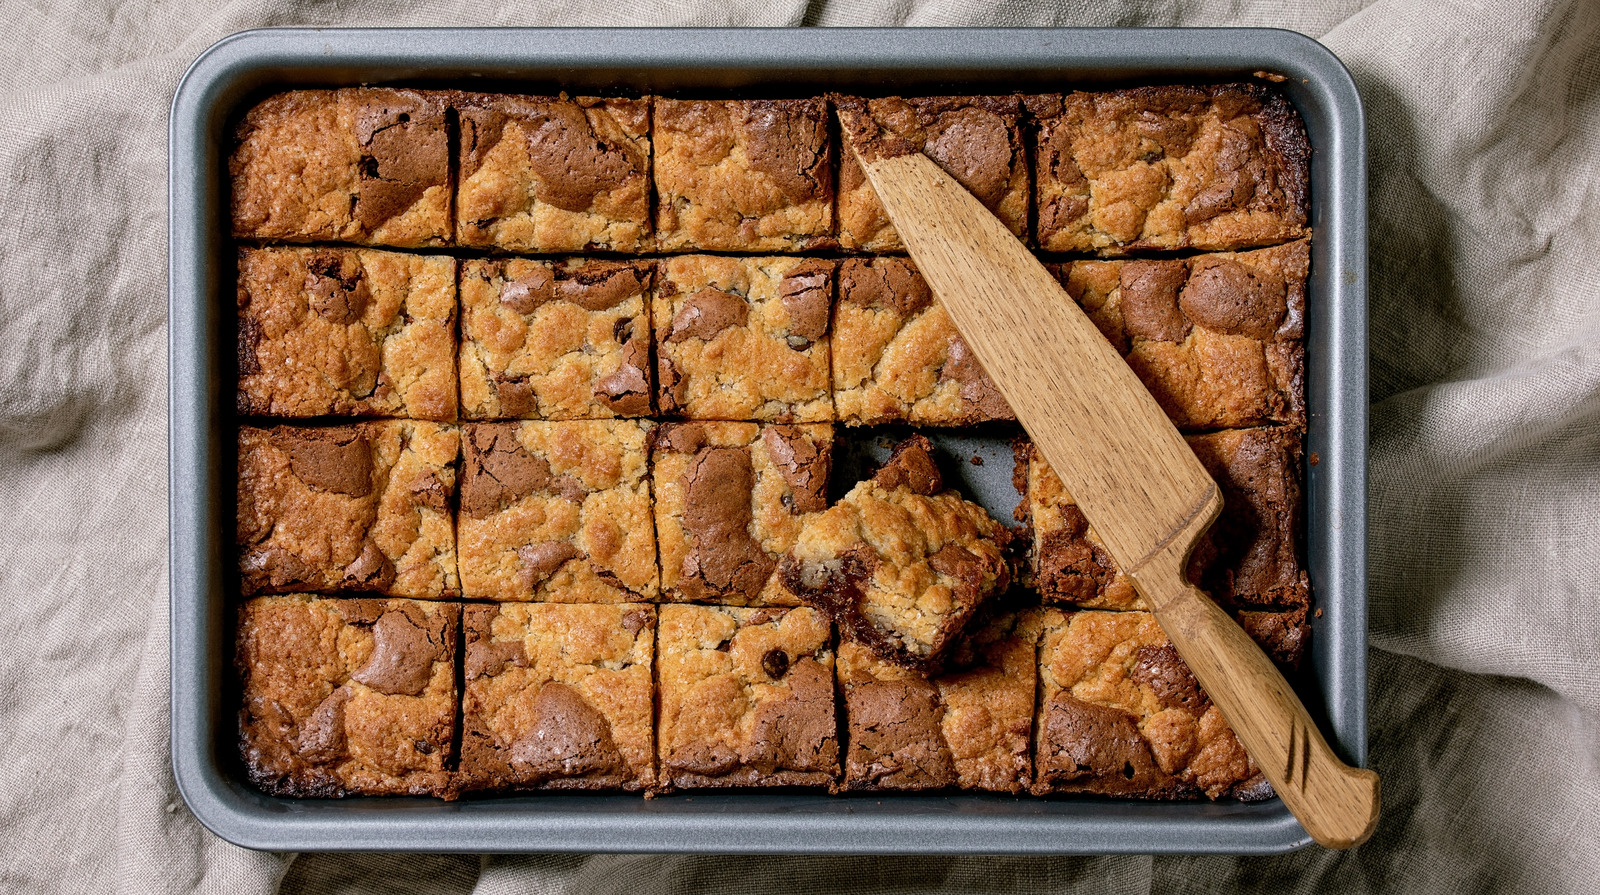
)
(239, 69)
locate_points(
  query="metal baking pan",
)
(239, 69)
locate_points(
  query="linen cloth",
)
(1485, 150)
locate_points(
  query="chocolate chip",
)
(775, 663)
(338, 458)
(706, 313)
(911, 466)
(423, 746)
(402, 655)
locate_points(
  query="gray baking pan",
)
(241, 68)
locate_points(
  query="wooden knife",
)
(1129, 470)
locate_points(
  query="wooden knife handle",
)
(1337, 804)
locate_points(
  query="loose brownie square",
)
(897, 357)
(343, 332)
(362, 164)
(899, 563)
(969, 727)
(976, 139)
(1122, 715)
(558, 697)
(743, 175)
(743, 338)
(362, 506)
(1249, 557)
(1216, 338)
(347, 697)
(555, 340)
(746, 698)
(730, 499)
(553, 174)
(1210, 167)
(557, 512)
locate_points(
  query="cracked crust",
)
(899, 563)
(898, 357)
(968, 727)
(347, 697)
(557, 512)
(346, 332)
(747, 698)
(553, 174)
(364, 507)
(730, 500)
(743, 338)
(1218, 339)
(976, 139)
(1209, 167)
(363, 165)
(555, 340)
(558, 697)
(743, 175)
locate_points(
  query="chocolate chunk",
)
(974, 145)
(724, 559)
(336, 287)
(1226, 296)
(911, 466)
(516, 396)
(541, 560)
(636, 621)
(571, 164)
(796, 732)
(372, 570)
(896, 735)
(787, 140)
(497, 471)
(626, 391)
(568, 737)
(404, 152)
(807, 296)
(1070, 567)
(430, 493)
(402, 655)
(1098, 746)
(957, 562)
(775, 662)
(803, 466)
(708, 312)
(1150, 299)
(1160, 669)
(601, 285)
(978, 391)
(891, 283)
(322, 736)
(525, 294)
(338, 458)
(569, 487)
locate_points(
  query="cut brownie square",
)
(969, 727)
(558, 697)
(1250, 556)
(553, 174)
(743, 338)
(1122, 715)
(346, 332)
(746, 698)
(743, 175)
(347, 697)
(897, 357)
(730, 499)
(364, 165)
(899, 563)
(1216, 338)
(557, 512)
(364, 506)
(555, 340)
(976, 139)
(1211, 167)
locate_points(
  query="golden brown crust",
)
(553, 174)
(558, 697)
(976, 139)
(364, 165)
(1209, 167)
(746, 698)
(743, 175)
(555, 340)
(557, 512)
(364, 506)
(346, 332)
(347, 697)
(743, 338)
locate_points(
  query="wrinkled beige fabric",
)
(1485, 146)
